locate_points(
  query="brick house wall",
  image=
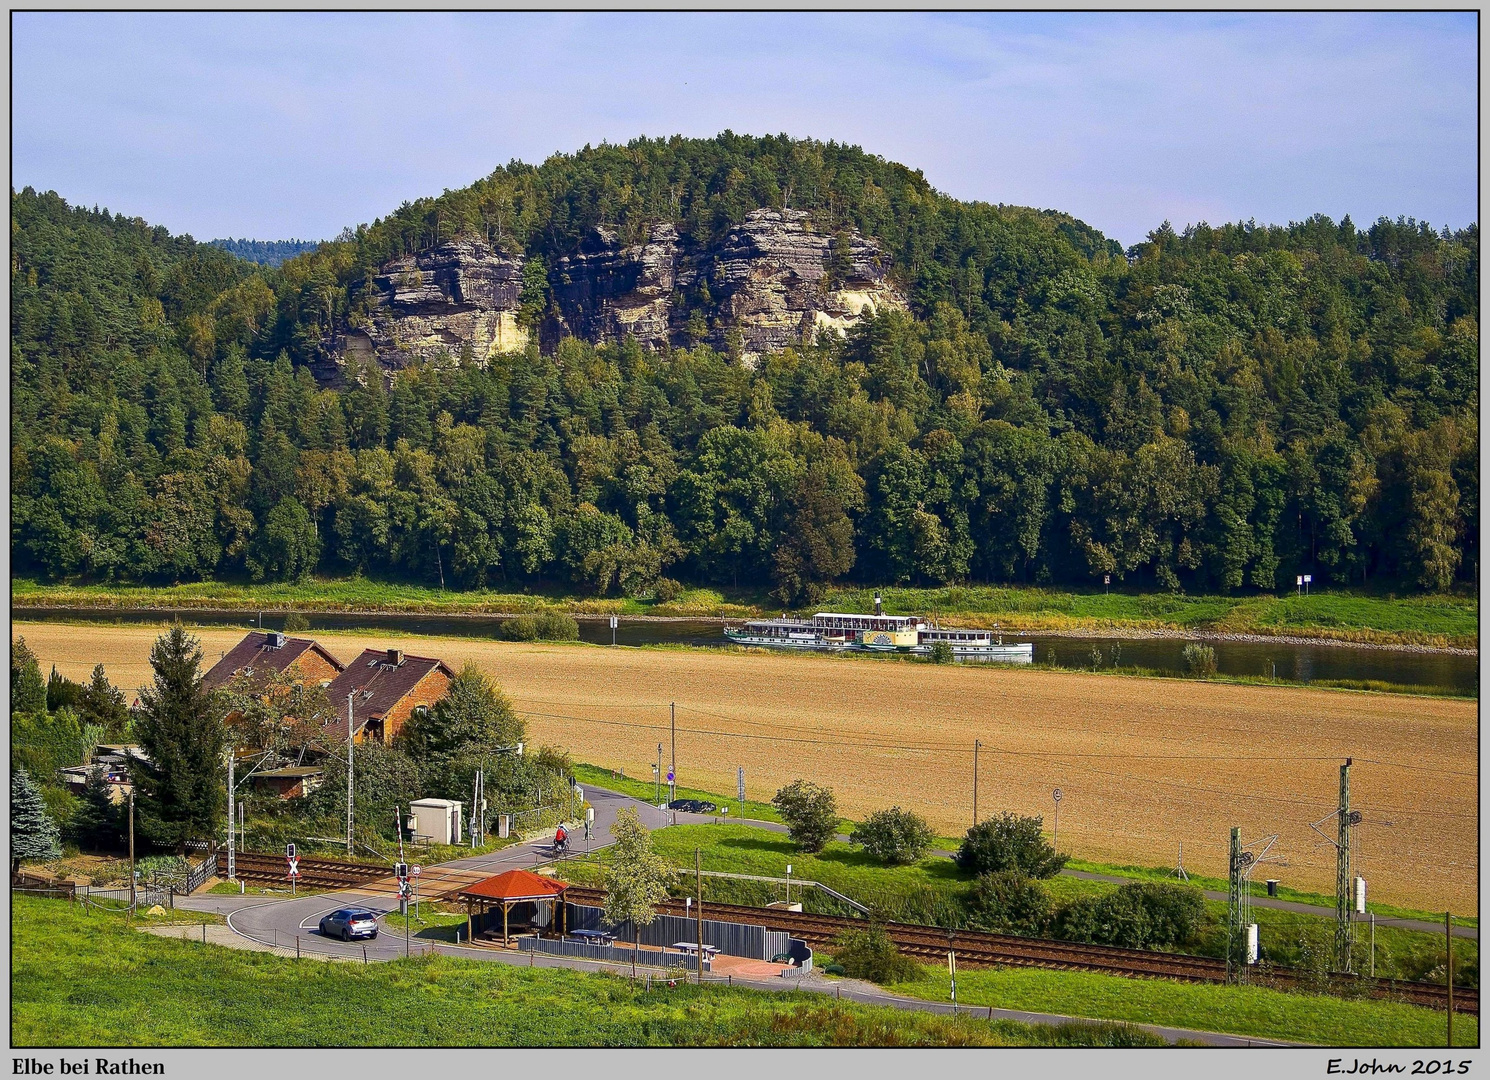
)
(426, 691)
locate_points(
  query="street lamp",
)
(1055, 832)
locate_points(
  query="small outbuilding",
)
(526, 899)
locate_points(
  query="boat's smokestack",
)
(879, 607)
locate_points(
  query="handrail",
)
(779, 881)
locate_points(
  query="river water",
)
(1443, 671)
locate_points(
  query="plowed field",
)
(1144, 764)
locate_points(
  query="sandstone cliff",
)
(459, 295)
(772, 282)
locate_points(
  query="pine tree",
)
(33, 833)
(28, 693)
(61, 692)
(102, 703)
(179, 787)
(96, 822)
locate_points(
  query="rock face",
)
(772, 282)
(606, 291)
(779, 282)
(459, 295)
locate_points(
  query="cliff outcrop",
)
(458, 296)
(772, 282)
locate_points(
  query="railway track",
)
(975, 948)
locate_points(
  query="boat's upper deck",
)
(832, 620)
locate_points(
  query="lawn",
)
(927, 891)
(1239, 1010)
(1341, 615)
(77, 981)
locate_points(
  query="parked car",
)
(349, 923)
(692, 806)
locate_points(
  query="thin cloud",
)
(274, 125)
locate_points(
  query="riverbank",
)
(1418, 623)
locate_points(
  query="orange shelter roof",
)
(515, 885)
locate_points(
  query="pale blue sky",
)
(279, 125)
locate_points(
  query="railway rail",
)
(976, 948)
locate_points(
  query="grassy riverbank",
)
(1434, 621)
(89, 981)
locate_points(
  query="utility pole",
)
(1448, 973)
(698, 869)
(349, 773)
(1236, 899)
(130, 913)
(1344, 909)
(232, 865)
(977, 744)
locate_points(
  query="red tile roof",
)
(256, 657)
(377, 685)
(515, 885)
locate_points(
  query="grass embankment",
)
(90, 982)
(1447, 620)
(1236, 1010)
(935, 891)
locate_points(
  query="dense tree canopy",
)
(1218, 408)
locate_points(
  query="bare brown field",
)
(1145, 764)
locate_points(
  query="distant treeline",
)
(267, 252)
(1213, 409)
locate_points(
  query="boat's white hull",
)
(1009, 654)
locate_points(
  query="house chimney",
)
(879, 607)
(395, 657)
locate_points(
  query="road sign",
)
(414, 870)
(614, 622)
(669, 776)
(294, 867)
(740, 784)
(1056, 794)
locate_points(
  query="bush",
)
(870, 954)
(1007, 902)
(895, 836)
(1200, 660)
(666, 590)
(1009, 842)
(544, 626)
(810, 813)
(296, 623)
(1138, 916)
(941, 652)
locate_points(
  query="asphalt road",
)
(290, 924)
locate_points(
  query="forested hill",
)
(266, 252)
(1214, 409)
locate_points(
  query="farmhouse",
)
(263, 654)
(386, 686)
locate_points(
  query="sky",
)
(280, 125)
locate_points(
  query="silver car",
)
(349, 923)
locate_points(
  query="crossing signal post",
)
(294, 866)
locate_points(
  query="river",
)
(1291, 661)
